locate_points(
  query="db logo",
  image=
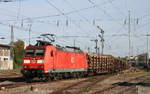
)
(72, 59)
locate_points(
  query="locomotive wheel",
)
(82, 74)
(73, 75)
(45, 79)
(66, 75)
(28, 80)
(58, 76)
(77, 75)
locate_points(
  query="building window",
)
(6, 52)
(5, 59)
(1, 52)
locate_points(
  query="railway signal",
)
(102, 38)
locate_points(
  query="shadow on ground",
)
(132, 84)
(12, 79)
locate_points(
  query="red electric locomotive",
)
(45, 59)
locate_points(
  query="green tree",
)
(18, 48)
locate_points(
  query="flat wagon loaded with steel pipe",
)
(45, 60)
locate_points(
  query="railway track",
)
(14, 79)
(9, 84)
(89, 85)
(9, 74)
(123, 87)
(82, 86)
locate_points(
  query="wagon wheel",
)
(77, 75)
(60, 76)
(81, 74)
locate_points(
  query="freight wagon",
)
(105, 64)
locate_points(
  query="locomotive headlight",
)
(40, 61)
(26, 61)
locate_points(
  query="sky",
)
(77, 20)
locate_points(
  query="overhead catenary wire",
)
(19, 9)
(105, 12)
(100, 9)
(115, 7)
(83, 17)
(16, 17)
(74, 11)
(65, 13)
(42, 21)
(27, 18)
(18, 14)
(52, 5)
(144, 16)
(79, 14)
(17, 27)
(11, 13)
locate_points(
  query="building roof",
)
(5, 45)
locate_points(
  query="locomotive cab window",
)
(29, 52)
(34, 52)
(39, 52)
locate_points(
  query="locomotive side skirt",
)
(67, 70)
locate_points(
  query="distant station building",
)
(145, 55)
(6, 62)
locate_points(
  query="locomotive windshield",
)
(34, 52)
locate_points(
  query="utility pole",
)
(74, 44)
(102, 38)
(137, 61)
(98, 50)
(12, 34)
(96, 47)
(30, 33)
(88, 49)
(12, 41)
(129, 32)
(147, 55)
